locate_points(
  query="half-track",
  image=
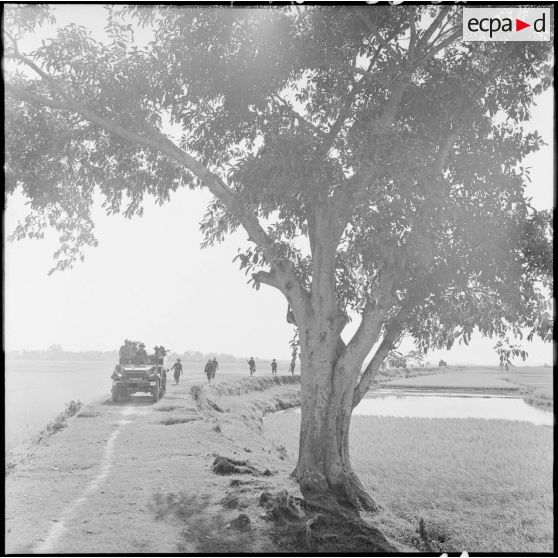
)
(139, 373)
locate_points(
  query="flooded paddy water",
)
(37, 391)
(421, 404)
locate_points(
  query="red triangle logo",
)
(519, 25)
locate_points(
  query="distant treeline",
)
(55, 352)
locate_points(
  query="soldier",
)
(209, 370)
(215, 366)
(141, 350)
(116, 372)
(160, 351)
(123, 351)
(274, 367)
(177, 367)
(252, 365)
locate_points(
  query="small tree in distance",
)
(371, 156)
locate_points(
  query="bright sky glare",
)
(149, 279)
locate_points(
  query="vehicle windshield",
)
(141, 360)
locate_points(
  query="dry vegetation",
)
(18, 453)
(478, 485)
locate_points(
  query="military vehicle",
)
(139, 373)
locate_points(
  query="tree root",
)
(424, 536)
(300, 525)
(308, 529)
(228, 466)
(361, 495)
(350, 494)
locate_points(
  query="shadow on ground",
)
(205, 531)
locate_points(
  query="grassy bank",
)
(480, 486)
(388, 375)
(542, 397)
(17, 453)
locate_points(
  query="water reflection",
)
(448, 405)
(453, 406)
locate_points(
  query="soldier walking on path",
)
(177, 367)
(252, 365)
(215, 365)
(274, 367)
(209, 370)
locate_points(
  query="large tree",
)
(372, 157)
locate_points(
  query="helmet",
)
(178, 359)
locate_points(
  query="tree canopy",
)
(409, 137)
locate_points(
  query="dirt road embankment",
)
(140, 476)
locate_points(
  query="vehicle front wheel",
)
(156, 392)
(115, 396)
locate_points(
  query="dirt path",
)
(97, 486)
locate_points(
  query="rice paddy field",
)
(477, 378)
(478, 485)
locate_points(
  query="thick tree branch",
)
(425, 37)
(345, 199)
(370, 327)
(393, 330)
(282, 104)
(413, 32)
(372, 27)
(157, 141)
(387, 344)
(267, 278)
(357, 87)
(443, 44)
(24, 60)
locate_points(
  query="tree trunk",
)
(324, 468)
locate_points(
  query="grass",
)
(471, 380)
(478, 485)
(60, 422)
(16, 455)
(391, 374)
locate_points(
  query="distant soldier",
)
(215, 366)
(252, 365)
(177, 367)
(209, 370)
(141, 350)
(274, 367)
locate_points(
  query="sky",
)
(149, 279)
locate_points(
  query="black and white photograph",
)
(278, 278)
